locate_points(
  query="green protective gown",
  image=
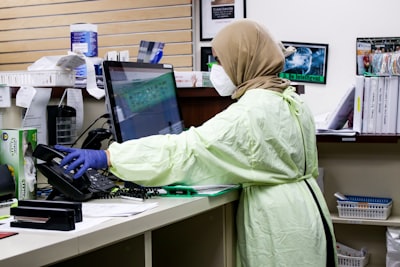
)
(265, 142)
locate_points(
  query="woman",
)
(265, 141)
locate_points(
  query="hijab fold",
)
(250, 56)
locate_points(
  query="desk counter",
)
(150, 228)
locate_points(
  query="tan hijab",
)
(250, 56)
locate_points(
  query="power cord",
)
(104, 116)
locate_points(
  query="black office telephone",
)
(91, 185)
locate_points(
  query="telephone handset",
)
(86, 187)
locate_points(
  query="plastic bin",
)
(373, 208)
(351, 257)
(45, 78)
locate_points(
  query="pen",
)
(4, 217)
(132, 198)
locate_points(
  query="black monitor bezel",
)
(109, 93)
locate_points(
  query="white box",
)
(192, 79)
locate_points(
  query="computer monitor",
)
(141, 99)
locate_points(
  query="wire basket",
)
(365, 207)
(45, 78)
(350, 257)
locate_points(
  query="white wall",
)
(337, 23)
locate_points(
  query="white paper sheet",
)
(115, 209)
(91, 84)
(36, 114)
(75, 100)
(5, 96)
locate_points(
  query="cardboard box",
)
(192, 79)
(17, 146)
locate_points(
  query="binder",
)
(372, 105)
(358, 104)
(389, 122)
(338, 118)
(379, 105)
(365, 112)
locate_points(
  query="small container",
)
(351, 257)
(61, 125)
(364, 207)
(84, 39)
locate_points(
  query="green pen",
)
(210, 64)
(4, 217)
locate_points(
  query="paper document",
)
(340, 132)
(36, 101)
(115, 209)
(338, 118)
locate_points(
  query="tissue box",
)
(16, 150)
(192, 79)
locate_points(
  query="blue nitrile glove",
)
(82, 158)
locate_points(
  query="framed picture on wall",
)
(373, 53)
(215, 14)
(307, 64)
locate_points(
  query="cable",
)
(104, 116)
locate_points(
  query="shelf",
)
(364, 138)
(391, 221)
(211, 92)
(199, 92)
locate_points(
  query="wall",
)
(337, 23)
(32, 29)
(334, 22)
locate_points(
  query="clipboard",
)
(198, 190)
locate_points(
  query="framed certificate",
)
(215, 14)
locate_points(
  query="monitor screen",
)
(141, 99)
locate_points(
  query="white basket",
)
(348, 256)
(351, 261)
(45, 78)
(365, 207)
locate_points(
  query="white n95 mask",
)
(221, 81)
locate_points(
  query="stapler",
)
(43, 218)
(76, 206)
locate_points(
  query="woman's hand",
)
(82, 159)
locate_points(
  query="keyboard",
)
(99, 183)
(103, 186)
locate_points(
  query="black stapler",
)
(43, 218)
(76, 206)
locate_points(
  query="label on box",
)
(192, 79)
